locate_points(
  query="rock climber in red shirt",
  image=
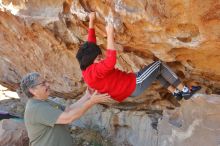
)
(101, 74)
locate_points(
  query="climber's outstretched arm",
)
(91, 31)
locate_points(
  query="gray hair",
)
(29, 81)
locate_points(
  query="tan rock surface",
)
(185, 34)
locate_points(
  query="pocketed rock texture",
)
(44, 36)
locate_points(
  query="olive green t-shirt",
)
(40, 118)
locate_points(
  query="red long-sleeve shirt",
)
(105, 78)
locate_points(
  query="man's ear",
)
(31, 91)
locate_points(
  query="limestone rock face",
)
(45, 35)
(34, 48)
(13, 133)
(195, 123)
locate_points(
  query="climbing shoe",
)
(178, 95)
(187, 95)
